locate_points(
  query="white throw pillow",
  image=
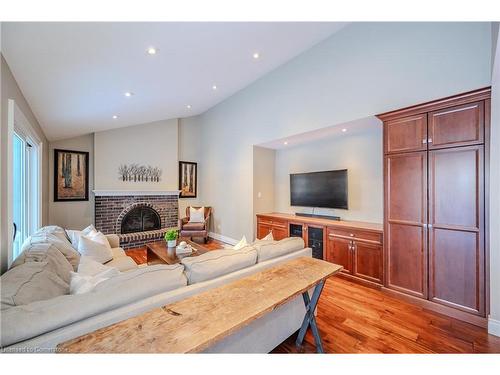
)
(240, 245)
(95, 249)
(89, 267)
(196, 215)
(83, 283)
(269, 237)
(89, 229)
(74, 235)
(99, 237)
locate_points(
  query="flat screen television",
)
(326, 189)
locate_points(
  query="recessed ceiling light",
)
(152, 51)
(214, 87)
(128, 94)
(256, 55)
(285, 143)
(115, 117)
(188, 106)
(344, 130)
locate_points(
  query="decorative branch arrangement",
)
(139, 173)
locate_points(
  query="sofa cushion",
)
(29, 282)
(42, 240)
(24, 322)
(217, 263)
(193, 226)
(123, 264)
(268, 250)
(118, 252)
(46, 252)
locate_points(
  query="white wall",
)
(154, 144)
(364, 69)
(360, 154)
(264, 161)
(190, 149)
(494, 323)
(72, 215)
(10, 90)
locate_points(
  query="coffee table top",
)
(160, 252)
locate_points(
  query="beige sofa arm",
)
(114, 240)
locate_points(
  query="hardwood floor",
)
(356, 319)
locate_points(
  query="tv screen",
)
(319, 189)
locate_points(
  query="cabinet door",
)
(406, 134)
(339, 252)
(263, 229)
(456, 243)
(367, 261)
(279, 232)
(405, 223)
(457, 126)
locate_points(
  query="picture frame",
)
(71, 175)
(188, 179)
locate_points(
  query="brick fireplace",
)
(139, 208)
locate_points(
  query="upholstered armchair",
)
(187, 229)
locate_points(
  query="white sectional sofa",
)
(39, 326)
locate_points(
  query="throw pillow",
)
(89, 267)
(99, 237)
(196, 215)
(269, 237)
(240, 245)
(83, 283)
(74, 235)
(96, 250)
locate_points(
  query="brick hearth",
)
(111, 209)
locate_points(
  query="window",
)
(24, 182)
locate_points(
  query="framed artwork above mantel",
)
(188, 179)
(71, 176)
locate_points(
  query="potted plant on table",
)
(171, 237)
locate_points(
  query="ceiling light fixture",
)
(214, 87)
(115, 117)
(188, 106)
(128, 94)
(256, 55)
(152, 51)
(344, 130)
(285, 143)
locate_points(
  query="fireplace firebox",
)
(140, 219)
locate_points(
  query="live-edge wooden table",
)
(198, 322)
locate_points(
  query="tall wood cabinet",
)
(434, 193)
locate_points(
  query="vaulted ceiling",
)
(75, 75)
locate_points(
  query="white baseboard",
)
(494, 327)
(220, 237)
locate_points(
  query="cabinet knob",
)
(352, 234)
(424, 141)
(429, 140)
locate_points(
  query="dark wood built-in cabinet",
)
(432, 249)
(356, 246)
(434, 168)
(268, 224)
(358, 251)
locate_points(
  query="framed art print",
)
(188, 176)
(71, 176)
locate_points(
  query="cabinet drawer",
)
(280, 223)
(265, 221)
(355, 234)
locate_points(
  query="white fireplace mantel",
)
(134, 192)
